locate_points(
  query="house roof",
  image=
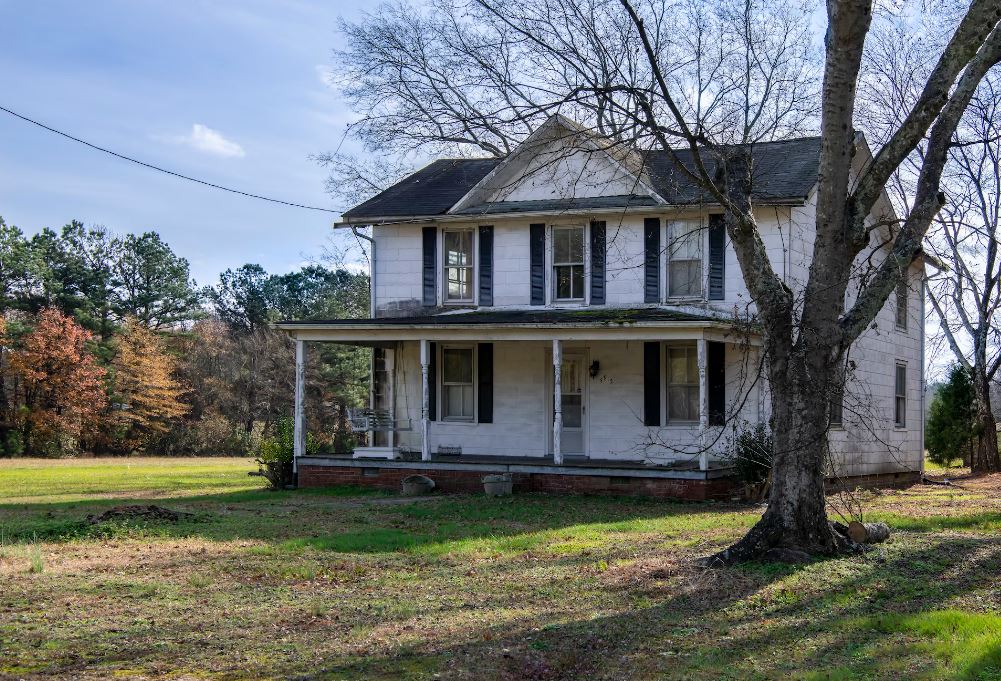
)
(784, 171)
(544, 317)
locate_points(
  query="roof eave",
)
(465, 217)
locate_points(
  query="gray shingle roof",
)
(783, 171)
(547, 317)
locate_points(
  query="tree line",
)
(108, 345)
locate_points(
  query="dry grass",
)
(342, 584)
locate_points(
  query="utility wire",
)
(164, 170)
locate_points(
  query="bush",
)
(275, 452)
(951, 421)
(753, 452)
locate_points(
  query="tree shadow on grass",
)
(871, 618)
(353, 520)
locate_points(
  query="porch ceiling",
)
(520, 324)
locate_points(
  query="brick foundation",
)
(470, 482)
(467, 481)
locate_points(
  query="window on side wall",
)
(458, 261)
(902, 292)
(458, 394)
(900, 397)
(682, 383)
(837, 407)
(684, 259)
(568, 263)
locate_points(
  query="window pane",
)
(693, 402)
(685, 241)
(458, 248)
(902, 305)
(685, 278)
(457, 365)
(571, 410)
(577, 281)
(563, 290)
(678, 361)
(576, 244)
(677, 405)
(459, 283)
(561, 245)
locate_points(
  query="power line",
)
(164, 170)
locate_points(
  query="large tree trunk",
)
(795, 526)
(984, 457)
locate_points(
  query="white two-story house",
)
(574, 314)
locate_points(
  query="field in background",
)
(345, 584)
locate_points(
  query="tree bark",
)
(984, 458)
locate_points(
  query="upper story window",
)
(837, 407)
(901, 316)
(684, 259)
(682, 382)
(568, 263)
(458, 262)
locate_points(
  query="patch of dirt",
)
(137, 512)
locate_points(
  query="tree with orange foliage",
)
(150, 396)
(62, 387)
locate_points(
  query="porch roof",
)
(518, 324)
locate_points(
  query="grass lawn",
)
(346, 584)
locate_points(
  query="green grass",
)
(353, 584)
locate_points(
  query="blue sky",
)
(230, 91)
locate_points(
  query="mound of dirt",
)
(137, 512)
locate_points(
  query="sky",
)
(230, 91)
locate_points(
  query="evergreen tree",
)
(951, 418)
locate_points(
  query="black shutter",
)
(598, 263)
(717, 257)
(537, 262)
(485, 382)
(433, 382)
(651, 383)
(716, 382)
(430, 298)
(486, 265)
(651, 270)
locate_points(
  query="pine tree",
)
(951, 419)
(149, 396)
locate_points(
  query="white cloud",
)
(204, 138)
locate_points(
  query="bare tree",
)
(967, 296)
(714, 79)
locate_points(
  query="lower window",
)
(682, 383)
(900, 397)
(457, 384)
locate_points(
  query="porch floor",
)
(686, 470)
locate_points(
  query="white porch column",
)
(703, 406)
(425, 400)
(299, 428)
(557, 400)
(391, 391)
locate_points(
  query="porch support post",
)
(557, 400)
(425, 400)
(703, 406)
(299, 428)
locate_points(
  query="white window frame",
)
(551, 264)
(442, 385)
(837, 401)
(899, 396)
(901, 287)
(698, 225)
(472, 267)
(692, 347)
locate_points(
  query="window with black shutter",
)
(651, 383)
(485, 382)
(537, 263)
(717, 257)
(651, 268)
(598, 263)
(716, 382)
(486, 265)
(430, 266)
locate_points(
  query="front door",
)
(574, 401)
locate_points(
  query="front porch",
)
(611, 400)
